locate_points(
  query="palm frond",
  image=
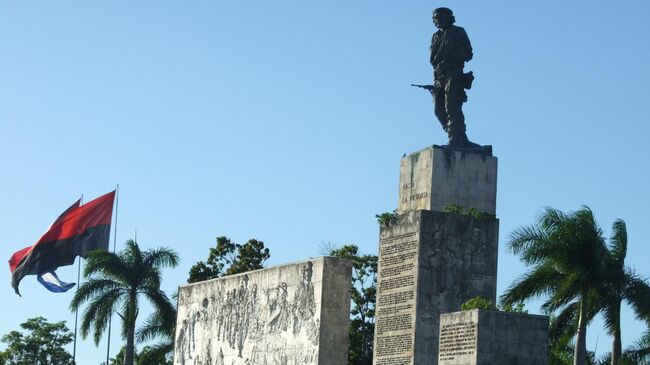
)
(161, 257)
(565, 324)
(97, 313)
(567, 290)
(640, 350)
(618, 241)
(551, 219)
(541, 280)
(92, 288)
(637, 295)
(106, 264)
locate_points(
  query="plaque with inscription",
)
(458, 339)
(395, 326)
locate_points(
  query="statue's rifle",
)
(430, 88)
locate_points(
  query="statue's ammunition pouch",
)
(467, 80)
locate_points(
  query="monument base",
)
(439, 176)
(472, 147)
(429, 263)
(480, 337)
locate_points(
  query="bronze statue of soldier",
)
(450, 49)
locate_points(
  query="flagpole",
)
(76, 312)
(110, 318)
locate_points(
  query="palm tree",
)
(621, 284)
(115, 283)
(567, 254)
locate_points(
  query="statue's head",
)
(443, 18)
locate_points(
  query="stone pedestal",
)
(429, 263)
(481, 337)
(436, 177)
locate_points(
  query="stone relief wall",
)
(264, 317)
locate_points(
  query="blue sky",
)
(285, 122)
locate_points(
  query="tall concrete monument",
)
(441, 249)
(430, 260)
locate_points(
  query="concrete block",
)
(436, 177)
(429, 263)
(480, 337)
(290, 314)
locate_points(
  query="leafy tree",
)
(364, 293)
(154, 356)
(478, 303)
(472, 212)
(43, 344)
(567, 253)
(386, 218)
(228, 258)
(144, 357)
(115, 283)
(118, 359)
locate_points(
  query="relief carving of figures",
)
(237, 325)
(305, 306)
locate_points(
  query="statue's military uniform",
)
(450, 49)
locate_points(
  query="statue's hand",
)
(441, 67)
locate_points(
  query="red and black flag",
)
(76, 232)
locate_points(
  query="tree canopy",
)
(228, 258)
(40, 343)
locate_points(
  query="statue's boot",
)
(459, 140)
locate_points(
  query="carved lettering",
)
(418, 196)
(397, 282)
(395, 298)
(392, 345)
(397, 259)
(394, 360)
(395, 325)
(457, 340)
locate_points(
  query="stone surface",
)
(481, 337)
(290, 314)
(436, 177)
(429, 263)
